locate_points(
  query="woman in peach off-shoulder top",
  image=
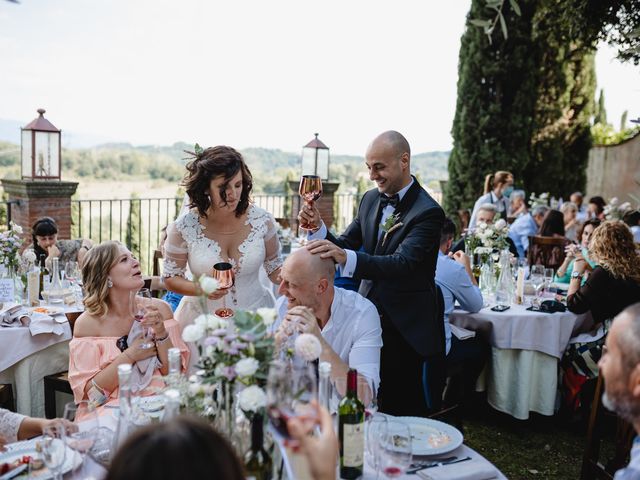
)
(103, 334)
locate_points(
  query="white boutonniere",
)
(390, 225)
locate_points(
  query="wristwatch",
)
(577, 275)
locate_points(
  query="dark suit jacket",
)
(401, 270)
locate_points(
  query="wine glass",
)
(375, 429)
(54, 448)
(223, 273)
(291, 389)
(139, 304)
(537, 280)
(395, 449)
(548, 278)
(310, 190)
(81, 441)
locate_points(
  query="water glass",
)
(54, 448)
(395, 449)
(537, 280)
(82, 440)
(375, 428)
(548, 279)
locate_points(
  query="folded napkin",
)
(475, 469)
(142, 371)
(461, 333)
(41, 323)
(10, 314)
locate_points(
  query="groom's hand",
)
(309, 215)
(326, 249)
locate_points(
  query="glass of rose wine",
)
(139, 304)
(223, 273)
(310, 190)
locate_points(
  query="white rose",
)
(208, 284)
(625, 206)
(208, 321)
(613, 201)
(17, 228)
(308, 346)
(252, 399)
(246, 367)
(192, 333)
(268, 315)
(29, 256)
(196, 389)
(500, 224)
(219, 370)
(482, 226)
(488, 232)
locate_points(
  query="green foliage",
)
(601, 112)
(605, 134)
(133, 236)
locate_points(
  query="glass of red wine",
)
(310, 190)
(223, 273)
(139, 303)
(394, 449)
(291, 389)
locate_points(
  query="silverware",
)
(432, 462)
(15, 472)
(437, 464)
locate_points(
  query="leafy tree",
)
(133, 237)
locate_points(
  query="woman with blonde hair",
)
(497, 189)
(107, 334)
(609, 288)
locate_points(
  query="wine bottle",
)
(257, 462)
(43, 272)
(351, 430)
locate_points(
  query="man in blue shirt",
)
(620, 369)
(456, 280)
(525, 226)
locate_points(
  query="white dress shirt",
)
(353, 331)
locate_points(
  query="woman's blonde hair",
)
(95, 275)
(492, 180)
(611, 246)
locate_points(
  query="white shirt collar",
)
(402, 192)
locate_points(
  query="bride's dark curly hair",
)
(210, 163)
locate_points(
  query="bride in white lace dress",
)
(221, 226)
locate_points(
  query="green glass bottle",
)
(257, 462)
(351, 430)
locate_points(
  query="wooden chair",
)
(6, 397)
(547, 251)
(58, 382)
(157, 256)
(592, 468)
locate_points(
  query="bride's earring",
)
(109, 283)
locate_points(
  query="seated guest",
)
(185, 447)
(486, 214)
(596, 208)
(620, 368)
(497, 189)
(613, 285)
(632, 219)
(106, 334)
(553, 255)
(526, 226)
(577, 199)
(45, 242)
(517, 204)
(455, 278)
(571, 224)
(552, 225)
(565, 270)
(14, 427)
(346, 323)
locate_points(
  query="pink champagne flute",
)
(310, 190)
(223, 273)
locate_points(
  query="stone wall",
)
(614, 171)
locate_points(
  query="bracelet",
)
(163, 339)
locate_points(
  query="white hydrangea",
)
(252, 399)
(268, 315)
(500, 224)
(247, 367)
(210, 322)
(308, 346)
(208, 284)
(192, 333)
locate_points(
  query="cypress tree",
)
(601, 112)
(623, 120)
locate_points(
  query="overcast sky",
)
(248, 73)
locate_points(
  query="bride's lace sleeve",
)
(9, 425)
(175, 253)
(273, 254)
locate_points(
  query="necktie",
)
(392, 200)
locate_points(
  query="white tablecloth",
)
(17, 343)
(522, 375)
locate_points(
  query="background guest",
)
(526, 226)
(552, 225)
(565, 270)
(632, 219)
(45, 242)
(497, 188)
(517, 204)
(571, 224)
(185, 447)
(596, 208)
(577, 199)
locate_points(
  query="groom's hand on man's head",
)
(326, 249)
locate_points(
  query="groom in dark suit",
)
(398, 226)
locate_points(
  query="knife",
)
(16, 471)
(436, 464)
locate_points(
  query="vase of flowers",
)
(10, 259)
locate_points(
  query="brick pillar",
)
(324, 204)
(35, 199)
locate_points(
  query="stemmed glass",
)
(537, 280)
(291, 389)
(72, 275)
(310, 190)
(376, 429)
(366, 394)
(54, 448)
(395, 449)
(223, 273)
(548, 278)
(81, 441)
(139, 304)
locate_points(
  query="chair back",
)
(592, 467)
(547, 251)
(71, 318)
(157, 257)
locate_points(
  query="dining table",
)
(29, 353)
(522, 373)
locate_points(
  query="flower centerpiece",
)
(614, 210)
(486, 238)
(10, 243)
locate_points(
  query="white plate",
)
(49, 310)
(431, 437)
(72, 459)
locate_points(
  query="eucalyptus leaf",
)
(198, 149)
(480, 23)
(515, 7)
(503, 25)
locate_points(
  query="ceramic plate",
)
(431, 437)
(72, 459)
(48, 310)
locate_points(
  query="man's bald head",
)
(388, 159)
(312, 267)
(307, 280)
(393, 140)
